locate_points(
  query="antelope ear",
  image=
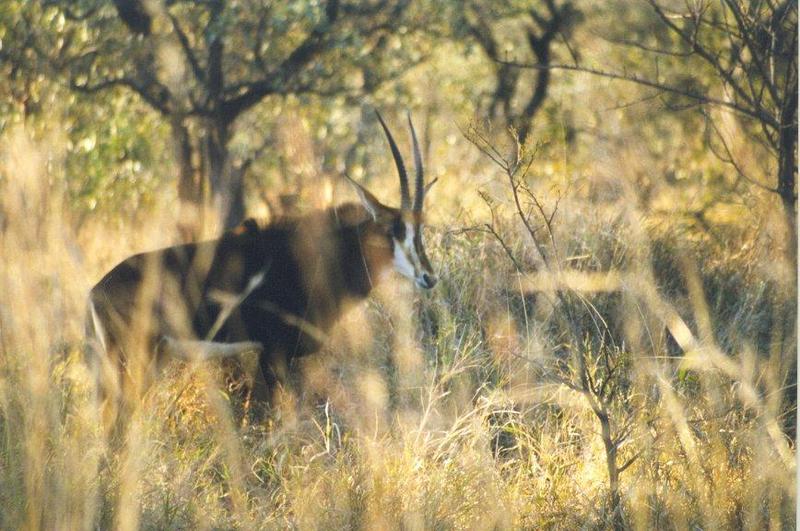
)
(376, 209)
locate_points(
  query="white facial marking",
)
(405, 259)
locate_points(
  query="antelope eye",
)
(398, 229)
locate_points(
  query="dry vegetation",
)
(611, 344)
(464, 408)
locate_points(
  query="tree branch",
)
(692, 41)
(701, 98)
(155, 101)
(197, 70)
(289, 67)
(746, 33)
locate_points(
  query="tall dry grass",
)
(461, 408)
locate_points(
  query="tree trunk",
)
(613, 471)
(540, 48)
(227, 193)
(787, 171)
(190, 185)
(227, 188)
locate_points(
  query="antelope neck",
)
(366, 257)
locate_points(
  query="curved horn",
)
(419, 193)
(405, 198)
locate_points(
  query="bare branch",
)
(197, 70)
(728, 158)
(623, 467)
(158, 102)
(746, 32)
(691, 40)
(644, 47)
(699, 97)
(489, 227)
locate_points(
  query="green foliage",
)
(118, 158)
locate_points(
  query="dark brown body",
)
(276, 290)
(283, 286)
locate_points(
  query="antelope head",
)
(402, 227)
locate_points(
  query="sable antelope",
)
(276, 290)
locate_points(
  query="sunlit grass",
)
(439, 410)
